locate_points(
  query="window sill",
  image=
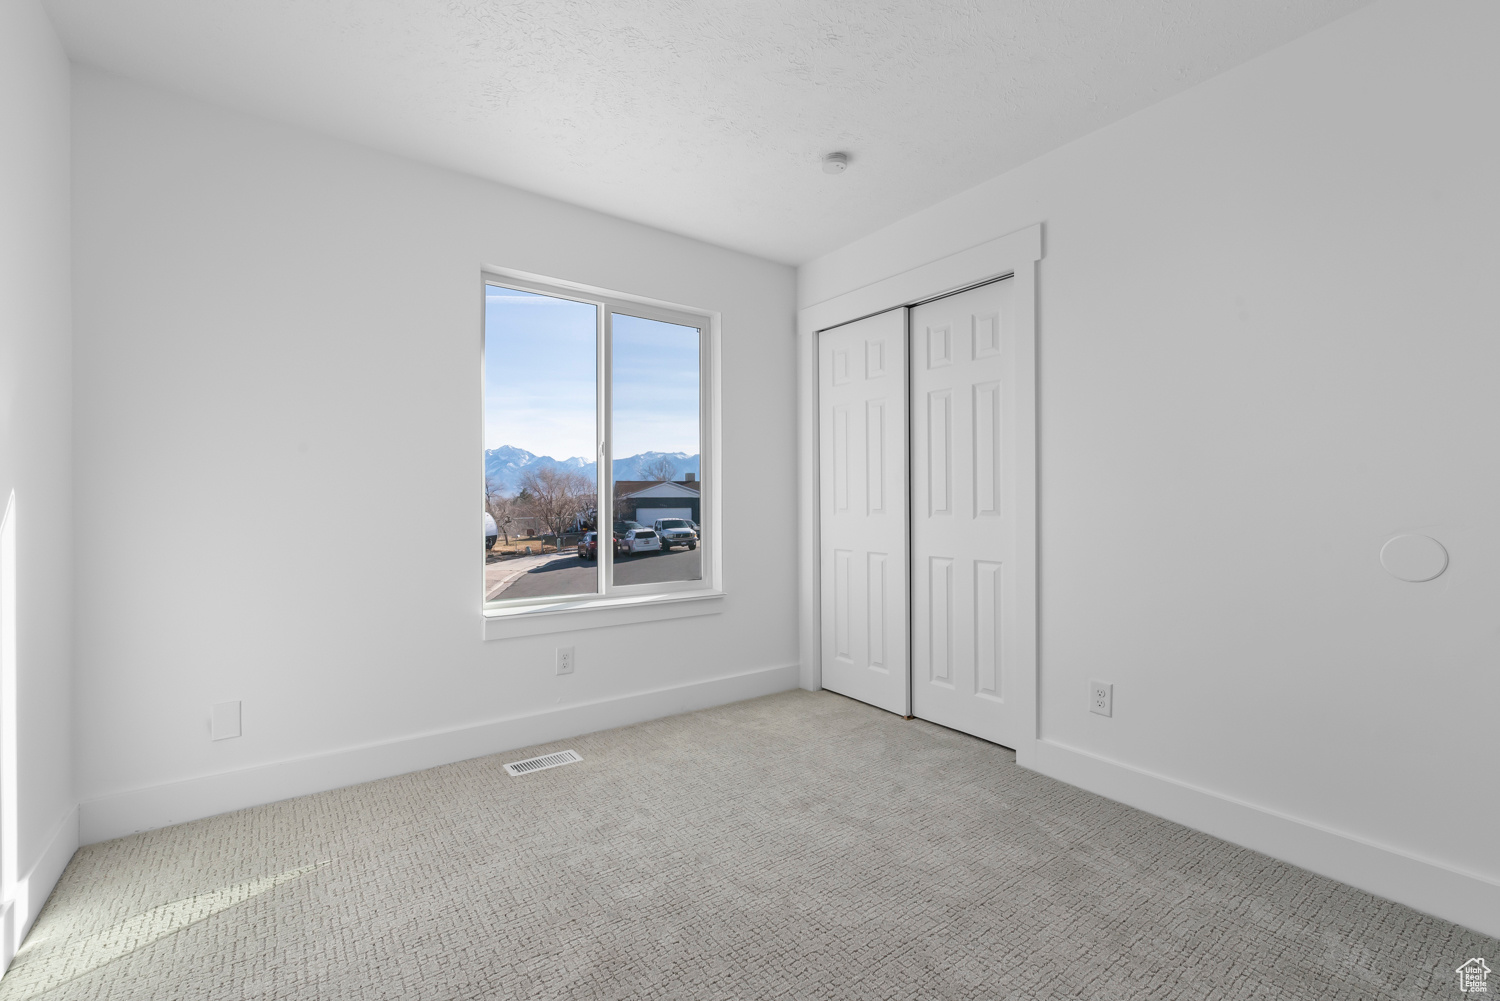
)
(598, 613)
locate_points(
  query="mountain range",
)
(506, 464)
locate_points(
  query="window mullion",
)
(706, 523)
(606, 508)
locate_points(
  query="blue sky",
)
(540, 369)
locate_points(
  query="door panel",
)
(963, 531)
(862, 408)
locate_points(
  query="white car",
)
(676, 532)
(640, 540)
(491, 531)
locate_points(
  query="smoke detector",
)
(835, 163)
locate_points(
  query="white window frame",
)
(615, 604)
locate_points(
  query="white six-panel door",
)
(862, 404)
(964, 513)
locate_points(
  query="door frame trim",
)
(1013, 255)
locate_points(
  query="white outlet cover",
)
(1414, 558)
(1099, 688)
(224, 720)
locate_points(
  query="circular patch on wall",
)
(1414, 557)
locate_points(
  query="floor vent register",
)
(541, 764)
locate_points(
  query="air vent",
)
(539, 764)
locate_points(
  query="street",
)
(561, 574)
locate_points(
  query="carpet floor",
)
(797, 846)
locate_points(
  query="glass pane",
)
(540, 445)
(657, 482)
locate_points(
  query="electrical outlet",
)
(1101, 698)
(224, 720)
(564, 660)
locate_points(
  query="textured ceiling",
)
(705, 118)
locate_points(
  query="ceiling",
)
(703, 117)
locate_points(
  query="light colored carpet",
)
(796, 846)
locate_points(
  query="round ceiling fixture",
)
(835, 163)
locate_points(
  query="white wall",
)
(1269, 340)
(35, 438)
(278, 419)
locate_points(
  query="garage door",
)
(648, 515)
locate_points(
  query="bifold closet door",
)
(862, 408)
(964, 511)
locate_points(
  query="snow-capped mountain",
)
(634, 467)
(506, 464)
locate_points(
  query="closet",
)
(918, 454)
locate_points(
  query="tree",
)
(624, 507)
(556, 497)
(660, 468)
(501, 506)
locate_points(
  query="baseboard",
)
(145, 809)
(33, 888)
(1464, 898)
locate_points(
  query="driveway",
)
(654, 568)
(564, 573)
(503, 576)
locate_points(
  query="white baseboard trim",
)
(33, 888)
(130, 812)
(1464, 898)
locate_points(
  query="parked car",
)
(676, 532)
(491, 531)
(588, 546)
(639, 540)
(621, 527)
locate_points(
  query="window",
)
(595, 410)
